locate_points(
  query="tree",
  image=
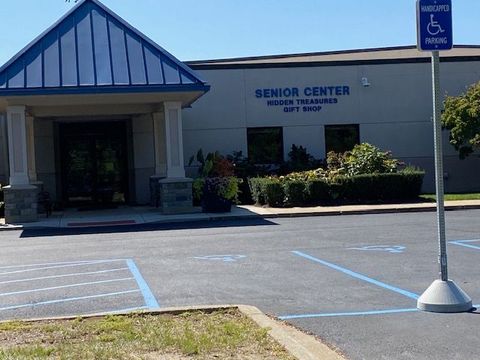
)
(462, 117)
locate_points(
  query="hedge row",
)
(372, 187)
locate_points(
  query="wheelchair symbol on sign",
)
(434, 27)
(392, 249)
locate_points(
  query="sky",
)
(212, 29)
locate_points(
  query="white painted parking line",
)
(64, 275)
(57, 301)
(58, 267)
(65, 286)
(59, 263)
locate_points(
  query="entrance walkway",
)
(125, 215)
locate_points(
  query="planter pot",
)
(213, 203)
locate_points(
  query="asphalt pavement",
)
(352, 280)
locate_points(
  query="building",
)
(330, 101)
(92, 111)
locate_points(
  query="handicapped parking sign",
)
(434, 25)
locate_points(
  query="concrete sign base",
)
(444, 297)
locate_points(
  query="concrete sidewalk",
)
(147, 215)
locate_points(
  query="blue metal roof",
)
(93, 50)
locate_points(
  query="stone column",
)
(20, 195)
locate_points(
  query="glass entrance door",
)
(94, 166)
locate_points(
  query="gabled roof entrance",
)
(92, 50)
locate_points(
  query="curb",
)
(367, 211)
(272, 215)
(299, 344)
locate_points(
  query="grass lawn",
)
(452, 197)
(192, 335)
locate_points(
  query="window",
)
(265, 145)
(341, 138)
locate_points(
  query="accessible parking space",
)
(72, 288)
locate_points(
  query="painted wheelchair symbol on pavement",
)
(392, 249)
(224, 258)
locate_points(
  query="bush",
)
(382, 187)
(256, 190)
(317, 192)
(360, 188)
(300, 160)
(295, 192)
(267, 191)
(368, 159)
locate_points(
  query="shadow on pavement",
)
(199, 224)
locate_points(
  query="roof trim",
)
(117, 89)
(277, 65)
(319, 53)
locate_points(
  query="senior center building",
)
(93, 111)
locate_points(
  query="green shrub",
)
(267, 191)
(368, 159)
(256, 190)
(300, 160)
(317, 192)
(383, 187)
(295, 192)
(197, 188)
(274, 193)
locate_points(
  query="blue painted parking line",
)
(359, 276)
(148, 296)
(224, 258)
(466, 243)
(57, 301)
(392, 249)
(354, 313)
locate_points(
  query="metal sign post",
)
(434, 29)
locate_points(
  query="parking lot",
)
(351, 280)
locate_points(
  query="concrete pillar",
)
(174, 140)
(20, 195)
(32, 169)
(17, 145)
(160, 148)
(3, 150)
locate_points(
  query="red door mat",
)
(101, 223)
